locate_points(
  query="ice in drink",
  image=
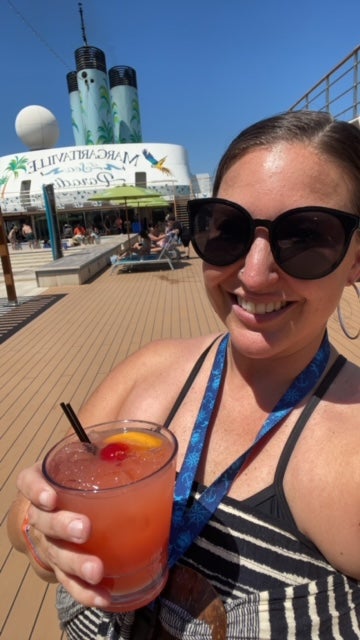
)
(124, 484)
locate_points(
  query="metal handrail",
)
(332, 92)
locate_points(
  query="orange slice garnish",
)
(135, 438)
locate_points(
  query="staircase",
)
(181, 210)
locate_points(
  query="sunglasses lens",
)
(309, 245)
(221, 233)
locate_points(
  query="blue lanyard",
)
(187, 523)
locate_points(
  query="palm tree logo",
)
(105, 132)
(14, 167)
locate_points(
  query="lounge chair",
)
(165, 256)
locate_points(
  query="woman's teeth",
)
(262, 307)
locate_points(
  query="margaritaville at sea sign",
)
(79, 172)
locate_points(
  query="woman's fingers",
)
(66, 560)
(83, 593)
(79, 573)
(34, 487)
(80, 576)
(61, 525)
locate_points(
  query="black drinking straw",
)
(76, 424)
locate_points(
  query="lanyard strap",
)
(187, 523)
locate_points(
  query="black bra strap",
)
(190, 379)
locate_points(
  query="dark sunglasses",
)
(306, 242)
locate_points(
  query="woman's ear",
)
(354, 275)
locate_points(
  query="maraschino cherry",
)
(115, 452)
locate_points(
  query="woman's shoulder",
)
(347, 383)
(176, 350)
(160, 359)
(341, 405)
(154, 373)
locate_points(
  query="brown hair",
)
(336, 139)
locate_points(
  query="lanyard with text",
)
(187, 523)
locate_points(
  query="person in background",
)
(118, 224)
(67, 231)
(266, 504)
(28, 234)
(157, 238)
(185, 240)
(172, 239)
(174, 227)
(107, 225)
(143, 246)
(79, 235)
(13, 237)
(95, 234)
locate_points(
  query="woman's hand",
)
(56, 536)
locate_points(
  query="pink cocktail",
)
(126, 489)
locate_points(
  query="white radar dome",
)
(37, 127)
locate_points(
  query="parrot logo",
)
(156, 164)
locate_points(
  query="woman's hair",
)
(336, 139)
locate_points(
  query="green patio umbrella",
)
(125, 195)
(155, 203)
(124, 192)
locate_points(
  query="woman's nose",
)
(259, 268)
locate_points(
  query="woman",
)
(278, 547)
(156, 238)
(143, 246)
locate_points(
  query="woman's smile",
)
(260, 308)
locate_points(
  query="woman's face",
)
(268, 312)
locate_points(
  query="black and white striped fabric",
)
(273, 584)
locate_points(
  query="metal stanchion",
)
(6, 265)
(52, 221)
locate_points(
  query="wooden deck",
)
(61, 356)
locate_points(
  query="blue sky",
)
(205, 68)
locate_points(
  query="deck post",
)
(6, 264)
